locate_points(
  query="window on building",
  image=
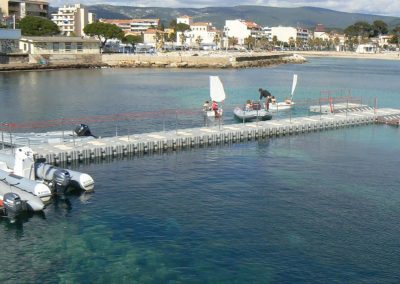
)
(56, 46)
(79, 46)
(68, 46)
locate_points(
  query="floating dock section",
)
(138, 144)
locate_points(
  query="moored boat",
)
(36, 175)
(251, 115)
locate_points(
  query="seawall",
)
(199, 60)
(161, 60)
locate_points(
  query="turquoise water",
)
(314, 208)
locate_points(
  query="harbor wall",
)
(161, 60)
(198, 60)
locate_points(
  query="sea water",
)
(315, 208)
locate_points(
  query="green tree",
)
(360, 30)
(217, 39)
(181, 27)
(38, 26)
(395, 36)
(232, 41)
(250, 42)
(379, 28)
(103, 31)
(275, 40)
(172, 24)
(132, 40)
(182, 38)
(199, 40)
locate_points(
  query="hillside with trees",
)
(307, 17)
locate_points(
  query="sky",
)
(376, 7)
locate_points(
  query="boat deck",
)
(137, 144)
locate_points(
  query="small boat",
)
(288, 103)
(252, 112)
(14, 201)
(281, 106)
(217, 94)
(36, 175)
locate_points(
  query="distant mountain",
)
(307, 17)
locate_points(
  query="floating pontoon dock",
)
(93, 150)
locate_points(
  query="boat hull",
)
(281, 106)
(251, 115)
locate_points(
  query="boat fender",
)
(12, 205)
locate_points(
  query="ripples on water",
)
(315, 208)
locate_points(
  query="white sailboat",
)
(288, 103)
(217, 94)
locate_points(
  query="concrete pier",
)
(158, 142)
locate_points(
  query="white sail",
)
(217, 92)
(294, 83)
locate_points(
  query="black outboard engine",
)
(83, 130)
(12, 205)
(61, 181)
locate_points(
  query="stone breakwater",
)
(167, 60)
(196, 60)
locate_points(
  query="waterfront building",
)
(366, 48)
(288, 34)
(71, 19)
(200, 35)
(59, 45)
(320, 32)
(241, 30)
(154, 38)
(22, 8)
(133, 26)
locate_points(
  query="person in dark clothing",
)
(264, 93)
(267, 95)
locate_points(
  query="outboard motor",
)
(61, 181)
(12, 205)
(83, 130)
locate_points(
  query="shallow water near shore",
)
(314, 208)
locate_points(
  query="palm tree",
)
(232, 41)
(249, 41)
(217, 39)
(198, 41)
(182, 38)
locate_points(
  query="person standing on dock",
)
(267, 95)
(214, 107)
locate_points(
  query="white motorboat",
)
(31, 174)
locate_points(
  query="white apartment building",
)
(320, 32)
(241, 30)
(133, 26)
(285, 34)
(184, 20)
(71, 19)
(201, 32)
(22, 8)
